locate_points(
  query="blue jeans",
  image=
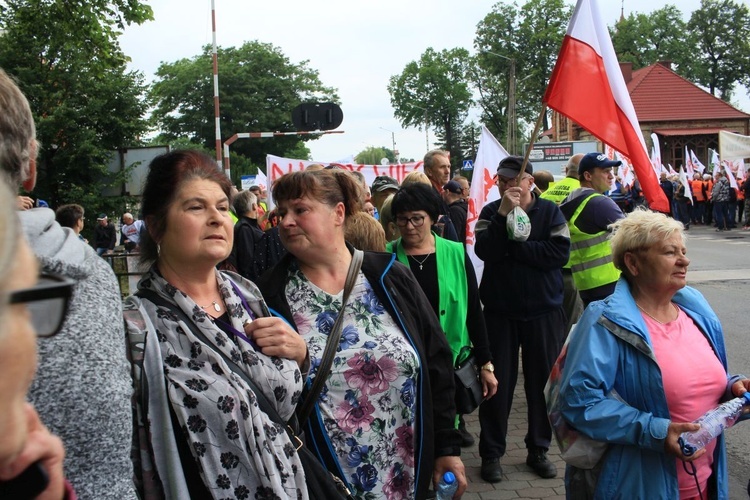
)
(721, 213)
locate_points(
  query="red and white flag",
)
(688, 164)
(483, 190)
(700, 167)
(587, 86)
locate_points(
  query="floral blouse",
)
(368, 402)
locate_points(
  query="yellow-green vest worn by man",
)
(590, 254)
(561, 189)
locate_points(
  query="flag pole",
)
(532, 139)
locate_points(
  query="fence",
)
(126, 268)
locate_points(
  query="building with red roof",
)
(678, 111)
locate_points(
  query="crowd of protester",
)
(339, 315)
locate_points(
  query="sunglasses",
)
(47, 302)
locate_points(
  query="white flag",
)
(684, 182)
(483, 190)
(696, 162)
(688, 164)
(730, 175)
(656, 155)
(715, 161)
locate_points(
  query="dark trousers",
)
(721, 214)
(696, 212)
(540, 340)
(572, 303)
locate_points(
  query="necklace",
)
(650, 316)
(216, 305)
(421, 262)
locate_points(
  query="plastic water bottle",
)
(447, 487)
(712, 424)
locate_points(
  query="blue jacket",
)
(612, 349)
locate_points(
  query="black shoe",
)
(537, 460)
(466, 438)
(491, 472)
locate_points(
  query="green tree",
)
(519, 46)
(645, 39)
(435, 91)
(372, 155)
(258, 88)
(722, 31)
(67, 59)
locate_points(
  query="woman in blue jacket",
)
(641, 366)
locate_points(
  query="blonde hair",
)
(640, 230)
(386, 218)
(364, 232)
(415, 177)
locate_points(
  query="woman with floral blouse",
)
(384, 419)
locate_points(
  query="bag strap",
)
(263, 402)
(332, 343)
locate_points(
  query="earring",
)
(158, 249)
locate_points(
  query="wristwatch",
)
(489, 367)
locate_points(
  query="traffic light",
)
(317, 116)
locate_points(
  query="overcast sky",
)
(355, 45)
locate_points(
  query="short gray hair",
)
(244, 202)
(17, 131)
(429, 158)
(639, 230)
(9, 236)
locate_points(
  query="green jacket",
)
(453, 290)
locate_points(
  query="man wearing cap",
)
(522, 293)
(457, 208)
(589, 213)
(105, 235)
(382, 187)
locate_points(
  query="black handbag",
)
(468, 386)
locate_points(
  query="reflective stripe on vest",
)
(561, 190)
(590, 255)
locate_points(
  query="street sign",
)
(468, 165)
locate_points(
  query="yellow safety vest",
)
(590, 255)
(561, 190)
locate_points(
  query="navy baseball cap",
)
(510, 167)
(594, 160)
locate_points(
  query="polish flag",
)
(587, 86)
(482, 191)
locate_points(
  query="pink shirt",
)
(694, 382)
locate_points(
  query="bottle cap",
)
(747, 397)
(449, 478)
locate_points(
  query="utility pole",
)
(393, 139)
(217, 115)
(426, 129)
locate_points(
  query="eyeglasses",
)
(512, 180)
(416, 221)
(47, 301)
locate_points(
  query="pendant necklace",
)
(650, 316)
(216, 305)
(421, 262)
